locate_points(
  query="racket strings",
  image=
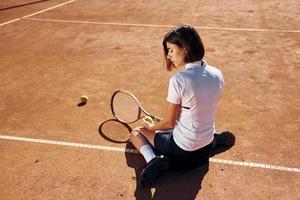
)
(125, 107)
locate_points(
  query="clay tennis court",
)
(54, 51)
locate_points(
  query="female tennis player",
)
(189, 123)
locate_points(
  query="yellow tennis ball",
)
(84, 99)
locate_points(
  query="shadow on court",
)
(172, 185)
(22, 5)
(114, 131)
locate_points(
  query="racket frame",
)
(141, 109)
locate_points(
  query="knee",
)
(135, 132)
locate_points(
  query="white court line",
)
(36, 13)
(117, 149)
(164, 26)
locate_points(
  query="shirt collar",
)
(200, 63)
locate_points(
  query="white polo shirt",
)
(198, 90)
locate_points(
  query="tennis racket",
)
(126, 108)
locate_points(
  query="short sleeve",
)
(222, 82)
(175, 90)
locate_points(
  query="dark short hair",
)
(184, 36)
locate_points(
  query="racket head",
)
(125, 107)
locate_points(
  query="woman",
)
(189, 123)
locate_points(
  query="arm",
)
(169, 119)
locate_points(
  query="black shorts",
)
(180, 159)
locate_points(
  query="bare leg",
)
(141, 136)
